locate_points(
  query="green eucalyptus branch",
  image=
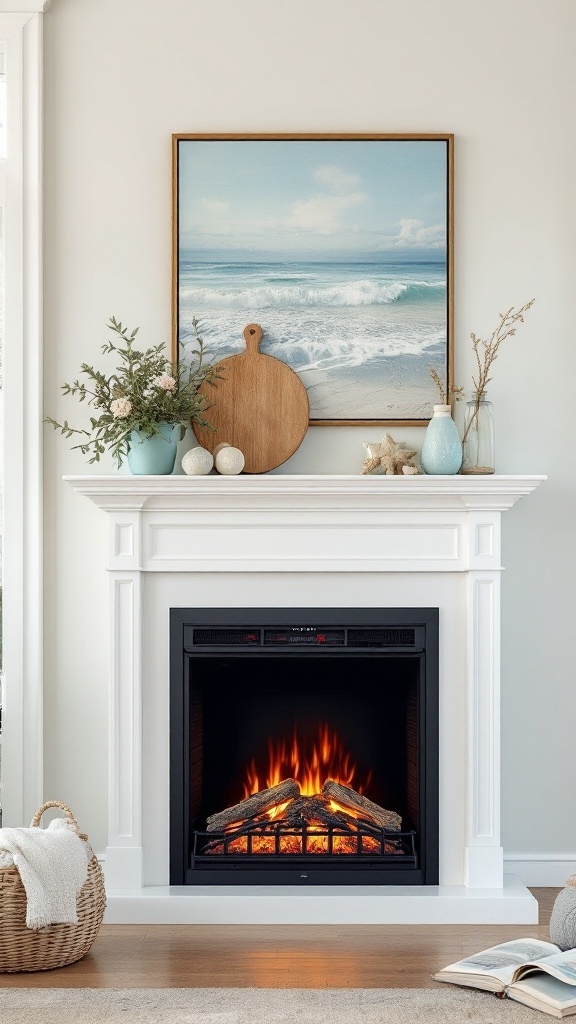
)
(145, 390)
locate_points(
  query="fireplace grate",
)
(276, 842)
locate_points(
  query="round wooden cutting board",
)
(260, 406)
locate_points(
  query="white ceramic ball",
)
(229, 461)
(197, 462)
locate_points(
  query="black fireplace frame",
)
(425, 621)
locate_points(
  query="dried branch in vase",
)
(487, 351)
(445, 392)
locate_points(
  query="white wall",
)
(121, 77)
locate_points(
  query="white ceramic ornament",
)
(197, 462)
(228, 461)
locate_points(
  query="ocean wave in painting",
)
(319, 315)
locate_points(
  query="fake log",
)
(315, 810)
(347, 797)
(254, 805)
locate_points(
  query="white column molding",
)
(22, 747)
(124, 851)
(483, 854)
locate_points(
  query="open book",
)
(531, 971)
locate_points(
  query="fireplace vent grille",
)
(227, 637)
(302, 636)
(389, 637)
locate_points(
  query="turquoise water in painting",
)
(377, 325)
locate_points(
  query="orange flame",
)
(328, 759)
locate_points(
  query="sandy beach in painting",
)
(361, 335)
(400, 391)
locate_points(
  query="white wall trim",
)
(22, 746)
(541, 869)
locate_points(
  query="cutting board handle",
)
(252, 337)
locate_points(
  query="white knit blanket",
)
(53, 865)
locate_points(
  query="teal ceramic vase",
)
(154, 455)
(442, 448)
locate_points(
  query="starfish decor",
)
(389, 457)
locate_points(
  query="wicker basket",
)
(22, 949)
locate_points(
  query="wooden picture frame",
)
(339, 245)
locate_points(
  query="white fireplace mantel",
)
(310, 490)
(281, 540)
(304, 523)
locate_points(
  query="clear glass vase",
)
(478, 437)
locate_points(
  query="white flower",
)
(165, 382)
(121, 407)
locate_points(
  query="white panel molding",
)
(22, 741)
(485, 540)
(255, 543)
(125, 541)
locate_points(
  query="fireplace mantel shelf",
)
(497, 492)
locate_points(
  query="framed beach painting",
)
(339, 246)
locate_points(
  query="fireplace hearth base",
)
(323, 904)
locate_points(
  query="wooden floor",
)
(284, 956)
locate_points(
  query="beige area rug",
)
(444, 1005)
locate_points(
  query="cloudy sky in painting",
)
(313, 197)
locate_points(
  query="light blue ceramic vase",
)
(154, 455)
(442, 448)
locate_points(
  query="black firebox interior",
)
(259, 695)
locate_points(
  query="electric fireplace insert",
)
(304, 746)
